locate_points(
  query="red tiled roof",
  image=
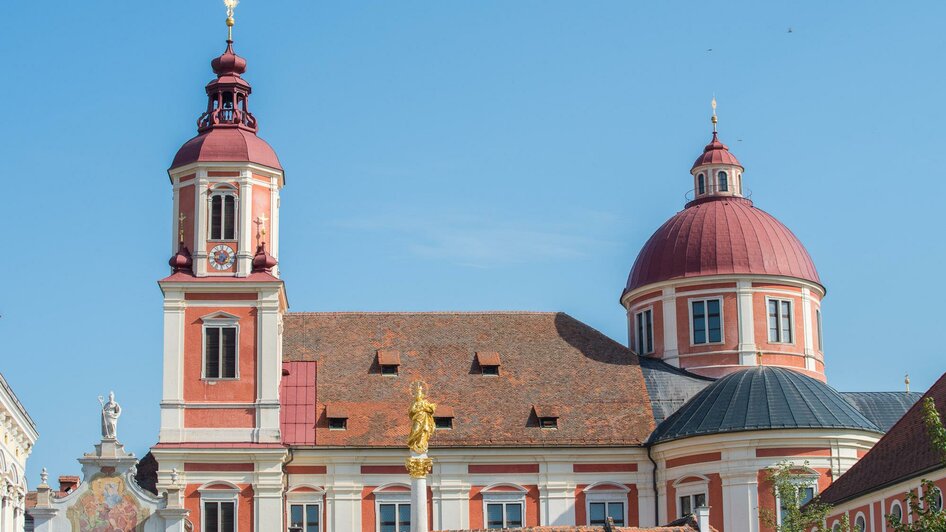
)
(184, 277)
(389, 358)
(903, 453)
(551, 359)
(488, 358)
(227, 145)
(716, 153)
(721, 236)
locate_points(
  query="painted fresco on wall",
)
(107, 506)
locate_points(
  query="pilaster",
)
(807, 328)
(244, 256)
(172, 400)
(201, 208)
(741, 501)
(746, 324)
(671, 352)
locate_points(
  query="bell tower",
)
(224, 301)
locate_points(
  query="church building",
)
(275, 421)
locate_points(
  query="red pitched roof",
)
(903, 453)
(594, 383)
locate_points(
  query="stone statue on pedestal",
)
(110, 413)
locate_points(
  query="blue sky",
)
(463, 156)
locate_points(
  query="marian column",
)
(418, 465)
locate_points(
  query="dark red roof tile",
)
(905, 452)
(548, 359)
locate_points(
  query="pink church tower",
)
(723, 285)
(223, 311)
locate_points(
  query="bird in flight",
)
(790, 29)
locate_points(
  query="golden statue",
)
(422, 418)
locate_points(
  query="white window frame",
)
(222, 191)
(689, 489)
(614, 494)
(217, 320)
(860, 515)
(820, 331)
(895, 503)
(722, 320)
(806, 480)
(648, 334)
(231, 494)
(307, 498)
(778, 318)
(504, 498)
(389, 497)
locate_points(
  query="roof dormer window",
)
(443, 418)
(547, 416)
(489, 362)
(337, 417)
(390, 362)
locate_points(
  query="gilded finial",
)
(180, 227)
(714, 119)
(231, 5)
(759, 352)
(906, 381)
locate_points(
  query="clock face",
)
(221, 257)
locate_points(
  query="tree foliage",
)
(927, 509)
(789, 481)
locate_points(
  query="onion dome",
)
(716, 153)
(227, 129)
(721, 235)
(181, 261)
(263, 261)
(762, 398)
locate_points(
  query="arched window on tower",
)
(723, 182)
(701, 184)
(223, 215)
(228, 106)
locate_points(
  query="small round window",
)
(896, 512)
(860, 524)
(937, 499)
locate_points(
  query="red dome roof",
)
(716, 153)
(721, 236)
(227, 145)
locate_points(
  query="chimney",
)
(68, 484)
(702, 518)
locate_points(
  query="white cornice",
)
(705, 279)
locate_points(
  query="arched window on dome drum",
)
(723, 182)
(701, 184)
(222, 217)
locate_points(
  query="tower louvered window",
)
(222, 217)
